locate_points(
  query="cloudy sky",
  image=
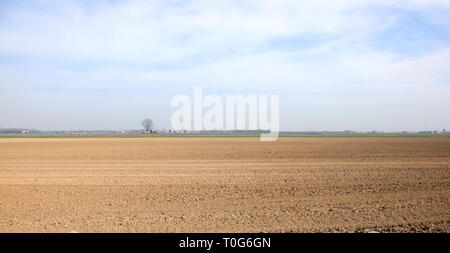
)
(336, 65)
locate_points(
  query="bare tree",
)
(148, 125)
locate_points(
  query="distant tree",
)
(147, 124)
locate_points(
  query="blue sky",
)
(337, 65)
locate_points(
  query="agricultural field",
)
(295, 184)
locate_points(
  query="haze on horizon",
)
(336, 65)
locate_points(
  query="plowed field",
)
(314, 184)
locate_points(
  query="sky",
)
(336, 65)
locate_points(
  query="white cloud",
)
(154, 31)
(134, 46)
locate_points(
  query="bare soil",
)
(225, 185)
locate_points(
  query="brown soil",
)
(225, 185)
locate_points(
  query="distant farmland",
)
(212, 135)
